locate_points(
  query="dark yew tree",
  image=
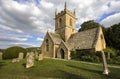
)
(88, 25)
(13, 52)
(112, 36)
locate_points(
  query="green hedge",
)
(91, 56)
(12, 52)
(115, 60)
(110, 53)
(86, 55)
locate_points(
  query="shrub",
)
(110, 52)
(118, 52)
(90, 58)
(73, 54)
(86, 58)
(12, 52)
(85, 55)
(115, 60)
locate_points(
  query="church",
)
(65, 38)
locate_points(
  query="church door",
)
(62, 54)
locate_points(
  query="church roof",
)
(84, 39)
(80, 40)
(55, 37)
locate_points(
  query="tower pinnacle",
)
(74, 11)
(65, 6)
(55, 12)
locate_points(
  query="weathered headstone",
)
(30, 60)
(20, 56)
(32, 53)
(36, 54)
(15, 60)
(105, 67)
(27, 54)
(40, 57)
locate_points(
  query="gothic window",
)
(102, 42)
(60, 22)
(70, 22)
(101, 37)
(47, 45)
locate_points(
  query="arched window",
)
(60, 22)
(47, 45)
(70, 22)
(102, 42)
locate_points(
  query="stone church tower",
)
(65, 23)
(65, 38)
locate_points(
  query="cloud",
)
(22, 19)
(14, 39)
(25, 45)
(8, 39)
(39, 39)
(44, 3)
(10, 29)
(110, 20)
(18, 16)
(25, 16)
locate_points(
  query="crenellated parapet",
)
(66, 11)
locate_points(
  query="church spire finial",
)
(65, 6)
(74, 11)
(55, 12)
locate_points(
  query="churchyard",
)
(48, 68)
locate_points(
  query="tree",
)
(12, 52)
(112, 36)
(110, 52)
(88, 25)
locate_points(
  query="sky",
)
(25, 22)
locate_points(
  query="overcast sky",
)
(25, 22)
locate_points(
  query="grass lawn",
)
(54, 69)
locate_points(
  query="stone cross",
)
(30, 60)
(20, 56)
(105, 67)
(40, 57)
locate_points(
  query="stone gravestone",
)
(27, 54)
(30, 60)
(14, 60)
(40, 57)
(20, 56)
(105, 68)
(36, 54)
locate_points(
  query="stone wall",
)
(66, 52)
(49, 53)
(64, 28)
(100, 45)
